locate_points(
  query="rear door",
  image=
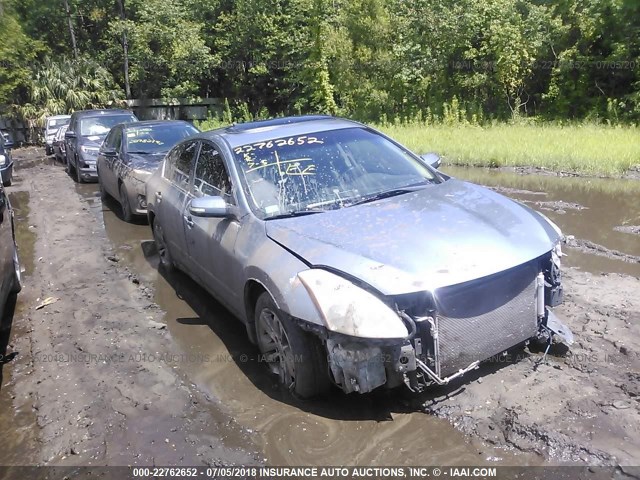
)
(173, 195)
(211, 241)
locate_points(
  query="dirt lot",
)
(110, 372)
(94, 381)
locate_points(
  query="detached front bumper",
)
(465, 325)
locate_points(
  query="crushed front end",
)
(454, 328)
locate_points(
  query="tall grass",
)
(590, 149)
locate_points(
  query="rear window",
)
(57, 122)
(157, 138)
(100, 125)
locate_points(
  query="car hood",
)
(444, 234)
(146, 162)
(93, 140)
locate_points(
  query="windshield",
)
(102, 124)
(157, 138)
(325, 170)
(56, 123)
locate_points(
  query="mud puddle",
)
(602, 214)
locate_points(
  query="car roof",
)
(251, 132)
(55, 117)
(98, 113)
(151, 123)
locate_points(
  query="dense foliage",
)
(462, 60)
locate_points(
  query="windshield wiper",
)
(388, 193)
(297, 213)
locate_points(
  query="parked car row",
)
(115, 149)
(351, 260)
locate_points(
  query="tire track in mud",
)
(587, 246)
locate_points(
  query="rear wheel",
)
(296, 356)
(127, 214)
(161, 245)
(17, 276)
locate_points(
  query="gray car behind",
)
(130, 154)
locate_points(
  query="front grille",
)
(482, 318)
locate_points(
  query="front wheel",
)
(161, 245)
(127, 214)
(296, 356)
(78, 177)
(103, 193)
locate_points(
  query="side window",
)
(117, 139)
(108, 142)
(211, 176)
(179, 164)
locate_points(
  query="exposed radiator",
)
(482, 318)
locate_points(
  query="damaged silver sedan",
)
(351, 260)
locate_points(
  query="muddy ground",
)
(128, 366)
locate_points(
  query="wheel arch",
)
(252, 291)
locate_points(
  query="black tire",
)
(8, 181)
(296, 356)
(166, 261)
(47, 150)
(127, 214)
(17, 276)
(103, 193)
(77, 176)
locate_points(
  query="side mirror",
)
(69, 134)
(213, 207)
(8, 144)
(432, 159)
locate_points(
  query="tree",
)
(63, 86)
(17, 51)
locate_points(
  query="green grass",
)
(586, 149)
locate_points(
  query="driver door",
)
(211, 241)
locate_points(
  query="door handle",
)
(188, 220)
